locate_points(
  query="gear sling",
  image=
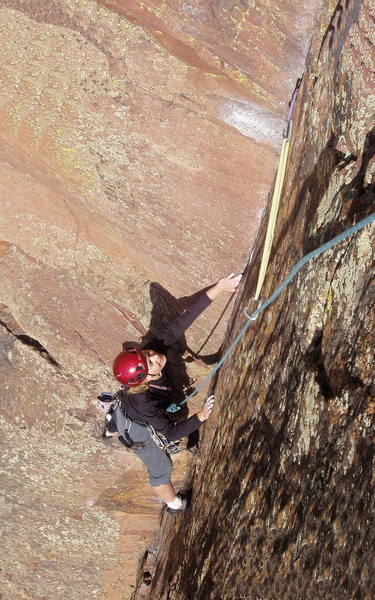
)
(123, 423)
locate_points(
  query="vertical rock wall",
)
(138, 144)
(283, 491)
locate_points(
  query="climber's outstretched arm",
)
(178, 326)
(225, 284)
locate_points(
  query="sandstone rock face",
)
(138, 147)
(125, 146)
(283, 496)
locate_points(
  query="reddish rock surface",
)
(138, 146)
(283, 489)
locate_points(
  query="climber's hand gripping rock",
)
(225, 284)
(207, 409)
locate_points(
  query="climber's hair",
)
(138, 389)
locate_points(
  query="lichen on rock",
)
(283, 485)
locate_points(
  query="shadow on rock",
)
(165, 308)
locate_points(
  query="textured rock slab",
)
(138, 146)
(283, 487)
(76, 513)
(131, 167)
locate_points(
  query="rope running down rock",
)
(251, 317)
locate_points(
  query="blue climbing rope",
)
(251, 317)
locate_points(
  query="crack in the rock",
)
(130, 318)
(314, 360)
(27, 340)
(89, 347)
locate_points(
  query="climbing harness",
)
(108, 403)
(277, 192)
(161, 441)
(251, 317)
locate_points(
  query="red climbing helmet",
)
(130, 367)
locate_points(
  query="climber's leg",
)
(165, 491)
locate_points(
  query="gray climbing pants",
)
(157, 461)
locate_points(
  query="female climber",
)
(139, 416)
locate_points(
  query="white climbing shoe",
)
(184, 496)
